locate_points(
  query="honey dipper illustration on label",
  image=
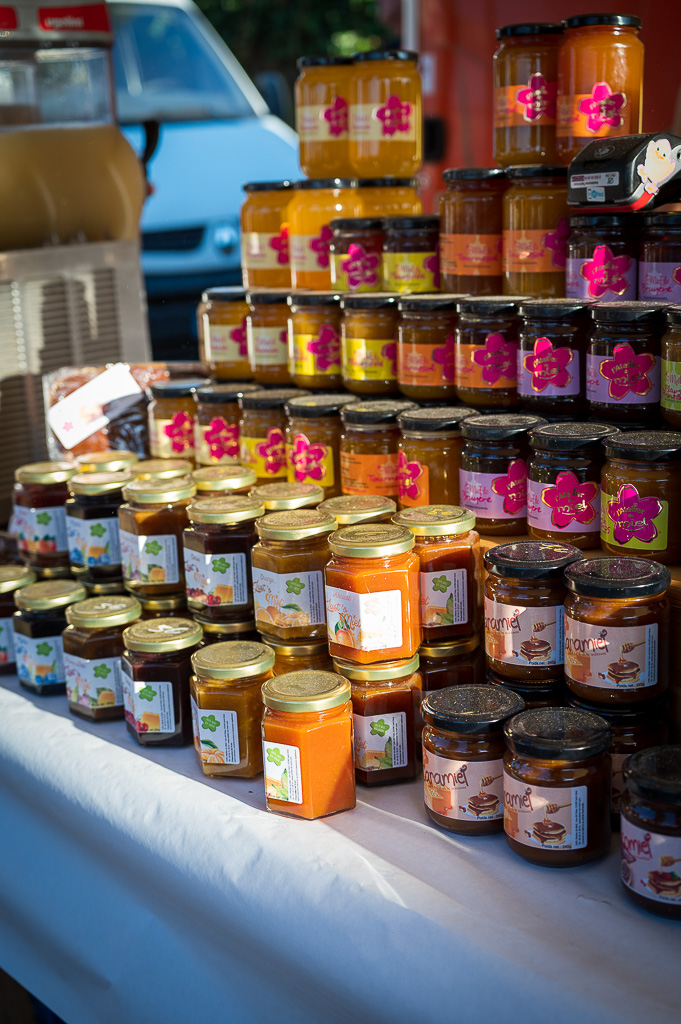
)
(484, 805)
(624, 671)
(534, 649)
(548, 832)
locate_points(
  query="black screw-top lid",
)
(674, 315)
(548, 309)
(490, 305)
(266, 186)
(312, 183)
(422, 302)
(321, 62)
(314, 299)
(177, 388)
(618, 577)
(374, 412)
(422, 222)
(571, 437)
(229, 293)
(537, 171)
(387, 182)
(531, 559)
(584, 20)
(316, 406)
(357, 224)
(558, 734)
(386, 55)
(471, 708)
(640, 312)
(369, 300)
(655, 774)
(662, 220)
(258, 298)
(604, 220)
(473, 173)
(499, 428)
(533, 28)
(230, 391)
(645, 445)
(434, 419)
(272, 398)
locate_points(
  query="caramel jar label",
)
(93, 684)
(419, 364)
(149, 559)
(536, 250)
(310, 461)
(660, 281)
(671, 385)
(626, 376)
(357, 270)
(492, 365)
(392, 121)
(288, 600)
(412, 481)
(267, 346)
(40, 531)
(496, 495)
(316, 355)
(215, 580)
(311, 252)
(364, 622)
(567, 505)
(93, 541)
(148, 706)
(266, 455)
(524, 636)
(369, 358)
(593, 115)
(226, 343)
(548, 370)
(529, 103)
(39, 662)
(464, 790)
(634, 521)
(283, 777)
(172, 438)
(611, 657)
(7, 656)
(411, 272)
(380, 741)
(471, 255)
(216, 735)
(547, 817)
(444, 598)
(216, 443)
(603, 276)
(265, 251)
(369, 474)
(315, 123)
(650, 863)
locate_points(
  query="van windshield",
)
(167, 69)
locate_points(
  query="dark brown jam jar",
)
(552, 341)
(356, 252)
(38, 627)
(411, 254)
(92, 525)
(38, 517)
(659, 277)
(602, 258)
(471, 215)
(486, 357)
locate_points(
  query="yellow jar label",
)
(263, 251)
(323, 123)
(173, 438)
(309, 462)
(411, 272)
(266, 455)
(216, 443)
(316, 354)
(632, 520)
(267, 346)
(671, 385)
(356, 270)
(392, 121)
(369, 358)
(311, 252)
(226, 343)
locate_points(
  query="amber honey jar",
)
(313, 440)
(426, 347)
(161, 469)
(557, 786)
(369, 344)
(288, 565)
(536, 231)
(315, 202)
(221, 481)
(163, 607)
(463, 757)
(264, 235)
(322, 98)
(660, 256)
(92, 524)
(224, 348)
(217, 556)
(171, 413)
(298, 656)
(385, 114)
(113, 461)
(486, 352)
(356, 250)
(222, 632)
(411, 254)
(314, 340)
(552, 346)
(216, 422)
(429, 454)
(267, 337)
(93, 648)
(389, 197)
(471, 230)
(670, 400)
(282, 497)
(348, 509)
(12, 579)
(602, 258)
(38, 513)
(151, 523)
(369, 447)
(38, 624)
(226, 700)
(262, 432)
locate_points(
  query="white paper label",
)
(81, 413)
(444, 597)
(94, 684)
(40, 662)
(6, 642)
(650, 863)
(283, 779)
(380, 741)
(604, 178)
(216, 579)
(367, 622)
(465, 790)
(93, 541)
(40, 530)
(216, 735)
(148, 706)
(288, 600)
(548, 817)
(149, 559)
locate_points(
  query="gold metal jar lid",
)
(45, 472)
(307, 690)
(14, 577)
(436, 520)
(159, 492)
(162, 469)
(224, 629)
(233, 508)
(103, 612)
(93, 483)
(223, 478)
(106, 462)
(282, 496)
(40, 597)
(295, 525)
(162, 635)
(372, 540)
(233, 659)
(100, 589)
(171, 603)
(384, 670)
(450, 650)
(357, 508)
(306, 649)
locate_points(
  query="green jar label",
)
(634, 521)
(671, 385)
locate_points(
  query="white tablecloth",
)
(134, 891)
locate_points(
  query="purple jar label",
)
(567, 505)
(659, 281)
(603, 276)
(494, 495)
(548, 370)
(625, 376)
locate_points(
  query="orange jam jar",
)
(216, 422)
(314, 204)
(172, 413)
(385, 114)
(313, 440)
(151, 523)
(486, 355)
(428, 456)
(372, 594)
(39, 514)
(283, 497)
(161, 469)
(113, 461)
(357, 254)
(224, 349)
(226, 701)
(536, 232)
(307, 745)
(262, 432)
(322, 98)
(600, 81)
(389, 197)
(267, 337)
(348, 509)
(264, 235)
(411, 254)
(471, 230)
(314, 351)
(288, 564)
(426, 347)
(220, 481)
(369, 447)
(448, 549)
(369, 344)
(525, 94)
(295, 657)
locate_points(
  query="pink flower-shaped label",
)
(272, 451)
(308, 460)
(538, 99)
(222, 438)
(325, 349)
(606, 272)
(280, 245)
(180, 432)
(603, 108)
(409, 476)
(570, 500)
(445, 356)
(360, 267)
(633, 517)
(389, 353)
(395, 116)
(548, 366)
(320, 246)
(676, 275)
(238, 336)
(497, 359)
(628, 372)
(432, 265)
(557, 242)
(513, 488)
(336, 117)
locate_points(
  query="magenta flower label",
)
(478, 495)
(603, 108)
(362, 269)
(180, 433)
(336, 117)
(395, 117)
(548, 370)
(606, 273)
(496, 360)
(445, 356)
(556, 242)
(633, 520)
(660, 281)
(271, 452)
(432, 264)
(239, 337)
(320, 247)
(538, 99)
(279, 243)
(512, 488)
(625, 376)
(325, 349)
(311, 461)
(222, 439)
(412, 481)
(568, 505)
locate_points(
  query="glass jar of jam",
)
(295, 657)
(536, 231)
(493, 473)
(369, 446)
(92, 524)
(216, 422)
(313, 440)
(602, 258)
(600, 81)
(471, 230)
(322, 95)
(225, 349)
(171, 418)
(617, 630)
(524, 598)
(426, 347)
(451, 664)
(564, 486)
(389, 197)
(283, 497)
(288, 565)
(315, 202)
(163, 607)
(267, 337)
(217, 556)
(557, 786)
(411, 254)
(651, 829)
(553, 340)
(264, 235)
(384, 700)
(307, 744)
(314, 340)
(525, 90)
(356, 251)
(223, 481)
(369, 345)
(38, 514)
(161, 469)
(641, 495)
(93, 648)
(12, 579)
(670, 400)
(222, 632)
(660, 256)
(151, 524)
(536, 695)
(463, 757)
(226, 696)
(428, 455)
(486, 353)
(448, 549)
(385, 114)
(113, 461)
(348, 509)
(262, 432)
(372, 594)
(38, 626)
(156, 669)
